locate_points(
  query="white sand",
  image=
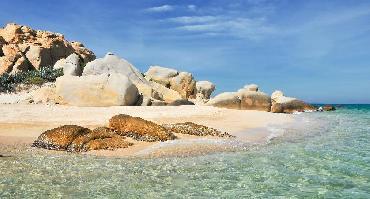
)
(24, 123)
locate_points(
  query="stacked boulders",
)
(22, 49)
(250, 98)
(160, 86)
(75, 138)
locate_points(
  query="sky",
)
(315, 50)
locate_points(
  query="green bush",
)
(8, 82)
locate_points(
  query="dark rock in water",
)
(329, 108)
(60, 138)
(180, 102)
(194, 129)
(126, 125)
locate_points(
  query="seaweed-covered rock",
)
(111, 143)
(128, 125)
(79, 143)
(194, 129)
(60, 138)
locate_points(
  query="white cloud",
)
(223, 25)
(193, 19)
(192, 7)
(163, 8)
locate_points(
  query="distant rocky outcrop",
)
(204, 89)
(283, 104)
(250, 98)
(247, 98)
(22, 48)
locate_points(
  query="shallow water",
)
(326, 156)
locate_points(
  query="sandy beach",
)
(22, 124)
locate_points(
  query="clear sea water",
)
(326, 156)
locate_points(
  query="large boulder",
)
(111, 63)
(139, 128)
(254, 100)
(183, 84)
(34, 49)
(97, 90)
(60, 138)
(161, 75)
(283, 104)
(204, 89)
(72, 65)
(228, 100)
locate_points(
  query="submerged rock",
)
(60, 138)
(329, 108)
(194, 129)
(136, 127)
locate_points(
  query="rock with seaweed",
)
(194, 129)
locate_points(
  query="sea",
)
(322, 155)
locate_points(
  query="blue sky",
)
(316, 50)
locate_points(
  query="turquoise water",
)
(326, 156)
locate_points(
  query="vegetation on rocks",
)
(8, 82)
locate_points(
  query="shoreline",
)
(22, 124)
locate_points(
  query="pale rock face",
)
(39, 56)
(160, 74)
(165, 93)
(251, 87)
(228, 100)
(39, 48)
(71, 65)
(183, 84)
(204, 89)
(277, 94)
(113, 64)
(112, 89)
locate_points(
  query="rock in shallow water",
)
(75, 138)
(60, 138)
(194, 129)
(126, 125)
